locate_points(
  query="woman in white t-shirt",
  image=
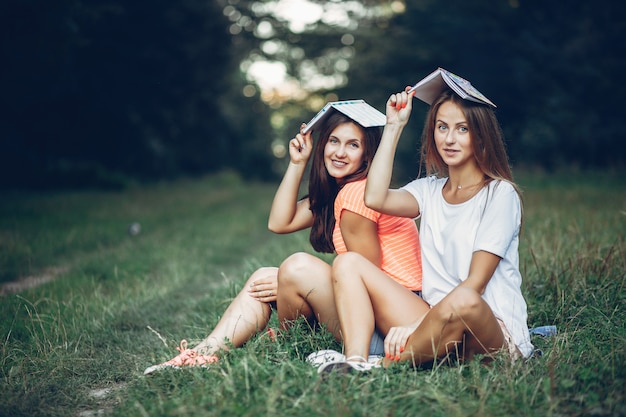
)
(470, 218)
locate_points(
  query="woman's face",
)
(343, 153)
(452, 136)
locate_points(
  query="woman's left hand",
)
(264, 289)
(396, 339)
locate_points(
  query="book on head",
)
(429, 88)
(357, 110)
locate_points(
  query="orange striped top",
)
(398, 237)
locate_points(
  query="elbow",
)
(372, 203)
(274, 228)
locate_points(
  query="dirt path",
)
(31, 281)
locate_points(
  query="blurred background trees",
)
(102, 93)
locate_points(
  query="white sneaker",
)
(324, 356)
(375, 360)
(344, 367)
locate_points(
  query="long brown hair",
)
(487, 140)
(323, 188)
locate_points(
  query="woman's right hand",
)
(300, 147)
(395, 341)
(265, 288)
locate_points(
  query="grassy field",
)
(115, 303)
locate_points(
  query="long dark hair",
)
(323, 188)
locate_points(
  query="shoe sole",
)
(340, 367)
(343, 367)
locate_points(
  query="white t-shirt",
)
(451, 233)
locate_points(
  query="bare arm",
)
(482, 268)
(361, 235)
(378, 196)
(287, 213)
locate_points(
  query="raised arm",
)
(287, 213)
(378, 196)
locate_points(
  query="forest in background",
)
(106, 93)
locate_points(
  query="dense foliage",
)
(553, 71)
(99, 92)
(103, 92)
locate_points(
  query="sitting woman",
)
(470, 222)
(339, 221)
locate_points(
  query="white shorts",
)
(514, 352)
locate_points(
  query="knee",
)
(462, 303)
(262, 272)
(344, 265)
(292, 268)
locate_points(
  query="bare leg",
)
(247, 314)
(461, 323)
(304, 289)
(244, 317)
(365, 296)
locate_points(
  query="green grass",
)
(120, 303)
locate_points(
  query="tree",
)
(104, 91)
(553, 72)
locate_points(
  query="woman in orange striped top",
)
(335, 211)
(342, 222)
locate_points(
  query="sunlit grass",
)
(123, 303)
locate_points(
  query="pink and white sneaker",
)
(186, 357)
